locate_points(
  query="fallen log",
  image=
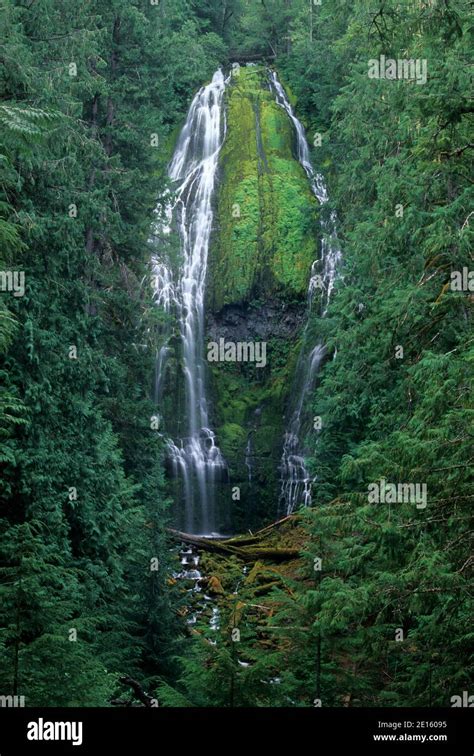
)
(208, 544)
(270, 554)
(259, 535)
(242, 57)
(277, 523)
(248, 552)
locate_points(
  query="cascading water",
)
(295, 478)
(196, 458)
(249, 458)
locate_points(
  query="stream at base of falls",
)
(202, 590)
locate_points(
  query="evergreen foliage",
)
(93, 96)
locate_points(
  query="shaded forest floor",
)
(239, 575)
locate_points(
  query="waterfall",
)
(196, 457)
(249, 458)
(294, 477)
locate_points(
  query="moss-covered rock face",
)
(265, 240)
(265, 232)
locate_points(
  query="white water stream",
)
(195, 457)
(295, 479)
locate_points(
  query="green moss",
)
(265, 240)
(237, 397)
(277, 130)
(232, 439)
(266, 212)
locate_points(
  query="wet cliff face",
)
(266, 222)
(264, 242)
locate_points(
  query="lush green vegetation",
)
(88, 88)
(94, 94)
(399, 155)
(386, 621)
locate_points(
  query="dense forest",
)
(288, 530)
